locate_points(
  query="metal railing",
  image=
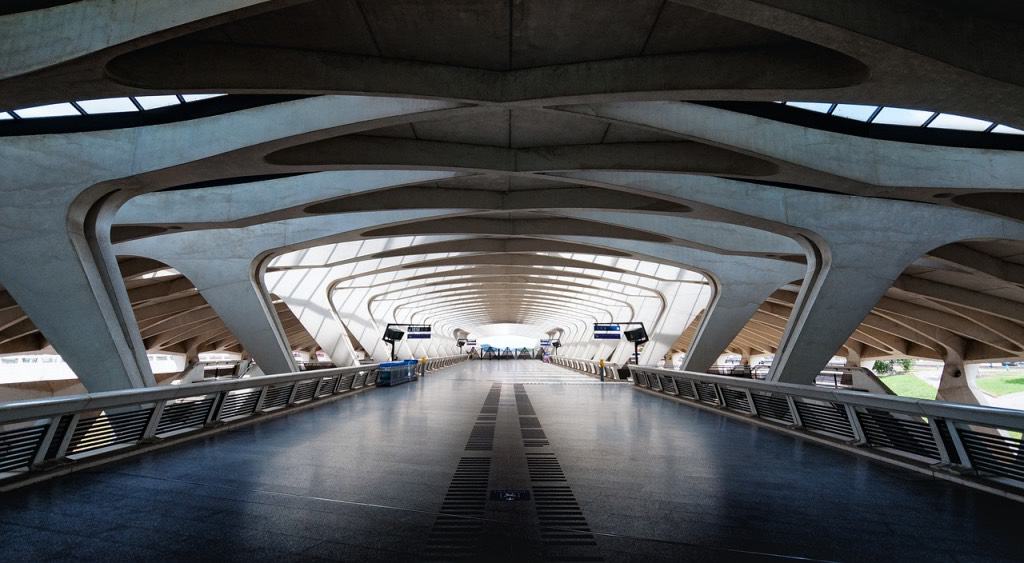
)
(444, 361)
(37, 435)
(588, 367)
(971, 444)
(46, 435)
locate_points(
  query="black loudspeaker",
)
(393, 335)
(636, 336)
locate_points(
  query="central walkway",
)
(504, 461)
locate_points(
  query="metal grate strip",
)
(19, 447)
(771, 407)
(239, 403)
(108, 430)
(458, 529)
(883, 430)
(736, 400)
(830, 418)
(185, 413)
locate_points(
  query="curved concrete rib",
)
(871, 161)
(55, 254)
(40, 38)
(742, 284)
(223, 264)
(849, 272)
(237, 202)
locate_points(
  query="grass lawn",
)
(999, 385)
(906, 385)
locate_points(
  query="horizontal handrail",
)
(589, 367)
(51, 435)
(41, 435)
(922, 407)
(37, 408)
(432, 364)
(947, 438)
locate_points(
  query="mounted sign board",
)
(607, 332)
(418, 331)
(471, 342)
(546, 342)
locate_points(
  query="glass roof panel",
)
(153, 102)
(854, 111)
(50, 110)
(812, 106)
(950, 121)
(107, 105)
(197, 97)
(901, 116)
(1007, 130)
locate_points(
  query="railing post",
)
(154, 421)
(258, 408)
(44, 445)
(858, 432)
(794, 412)
(65, 441)
(961, 451)
(719, 394)
(292, 394)
(939, 442)
(218, 403)
(750, 402)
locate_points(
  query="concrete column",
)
(850, 264)
(957, 382)
(226, 267)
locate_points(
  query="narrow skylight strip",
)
(887, 115)
(1007, 130)
(198, 97)
(950, 121)
(107, 105)
(811, 106)
(50, 110)
(104, 106)
(154, 102)
(902, 116)
(853, 111)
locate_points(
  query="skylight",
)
(104, 106)
(887, 115)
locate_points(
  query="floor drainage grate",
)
(481, 438)
(458, 530)
(561, 518)
(544, 467)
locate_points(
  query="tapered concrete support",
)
(305, 292)
(59, 285)
(742, 283)
(958, 380)
(852, 264)
(735, 302)
(60, 196)
(224, 266)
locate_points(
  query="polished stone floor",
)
(579, 470)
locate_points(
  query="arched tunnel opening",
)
(413, 280)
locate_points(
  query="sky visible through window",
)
(103, 106)
(887, 115)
